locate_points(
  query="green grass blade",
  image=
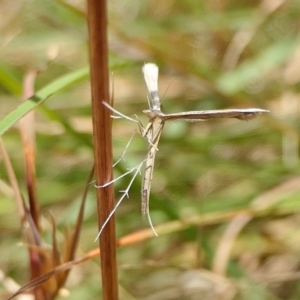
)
(9, 80)
(42, 95)
(253, 70)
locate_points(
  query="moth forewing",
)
(193, 116)
(150, 72)
(152, 136)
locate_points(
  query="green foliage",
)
(212, 55)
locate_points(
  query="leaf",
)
(56, 86)
(256, 68)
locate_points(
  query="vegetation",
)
(225, 193)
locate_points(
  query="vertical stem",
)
(97, 25)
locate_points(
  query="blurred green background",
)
(212, 55)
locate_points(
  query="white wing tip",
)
(150, 67)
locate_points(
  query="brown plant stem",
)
(97, 25)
